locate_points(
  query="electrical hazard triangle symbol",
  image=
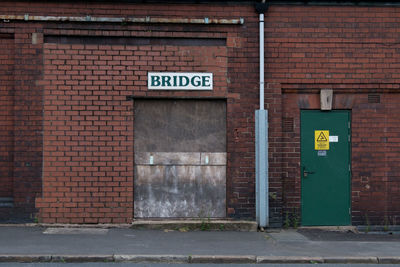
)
(322, 137)
(321, 140)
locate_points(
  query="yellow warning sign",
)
(321, 140)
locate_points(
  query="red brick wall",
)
(88, 130)
(376, 158)
(88, 123)
(88, 167)
(6, 114)
(81, 134)
(375, 185)
(21, 109)
(354, 51)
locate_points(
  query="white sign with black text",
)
(179, 81)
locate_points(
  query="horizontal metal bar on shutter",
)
(180, 158)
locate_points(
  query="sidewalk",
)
(41, 244)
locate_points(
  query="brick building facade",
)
(69, 87)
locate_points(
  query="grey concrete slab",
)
(180, 125)
(167, 158)
(152, 258)
(180, 158)
(388, 260)
(195, 224)
(25, 241)
(352, 259)
(31, 240)
(323, 235)
(82, 258)
(288, 235)
(289, 259)
(232, 259)
(124, 264)
(213, 158)
(75, 231)
(171, 191)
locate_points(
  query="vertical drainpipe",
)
(262, 205)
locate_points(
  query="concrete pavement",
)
(49, 244)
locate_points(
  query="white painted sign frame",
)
(180, 81)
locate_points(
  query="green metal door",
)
(325, 167)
